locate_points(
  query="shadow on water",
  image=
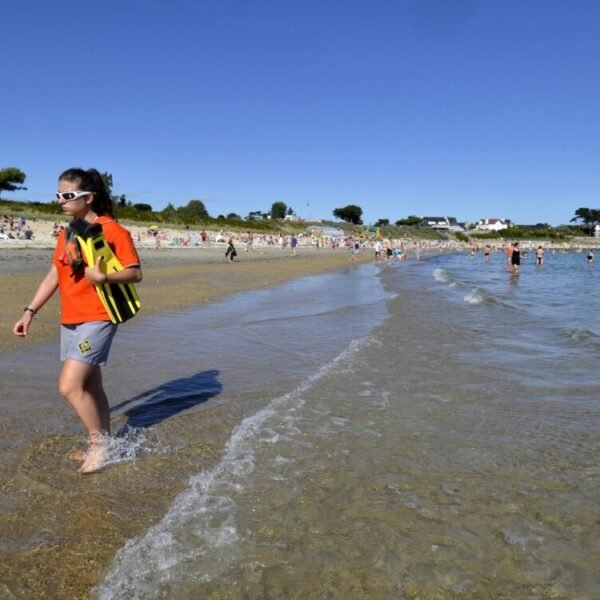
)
(162, 402)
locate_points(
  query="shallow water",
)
(451, 451)
(404, 430)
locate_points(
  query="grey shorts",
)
(87, 342)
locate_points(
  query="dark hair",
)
(91, 181)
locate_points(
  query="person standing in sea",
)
(509, 252)
(377, 250)
(86, 328)
(515, 257)
(539, 256)
(486, 253)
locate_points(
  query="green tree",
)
(410, 221)
(195, 210)
(278, 210)
(142, 207)
(233, 216)
(11, 178)
(120, 201)
(350, 214)
(108, 182)
(382, 223)
(589, 217)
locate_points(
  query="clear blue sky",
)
(466, 108)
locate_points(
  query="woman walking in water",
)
(86, 328)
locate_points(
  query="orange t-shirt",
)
(79, 302)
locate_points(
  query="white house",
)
(493, 224)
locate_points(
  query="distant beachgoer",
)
(230, 253)
(86, 328)
(590, 255)
(539, 256)
(352, 250)
(515, 257)
(509, 252)
(389, 253)
(377, 249)
(293, 244)
(486, 253)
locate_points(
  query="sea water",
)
(406, 430)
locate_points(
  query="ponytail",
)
(91, 181)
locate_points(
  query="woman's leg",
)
(95, 388)
(81, 386)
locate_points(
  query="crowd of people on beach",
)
(18, 229)
(15, 229)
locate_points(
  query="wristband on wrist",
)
(31, 311)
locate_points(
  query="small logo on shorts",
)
(84, 347)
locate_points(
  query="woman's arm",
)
(44, 293)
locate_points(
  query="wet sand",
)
(59, 530)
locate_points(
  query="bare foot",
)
(78, 455)
(95, 459)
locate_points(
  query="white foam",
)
(129, 445)
(474, 297)
(440, 275)
(201, 519)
